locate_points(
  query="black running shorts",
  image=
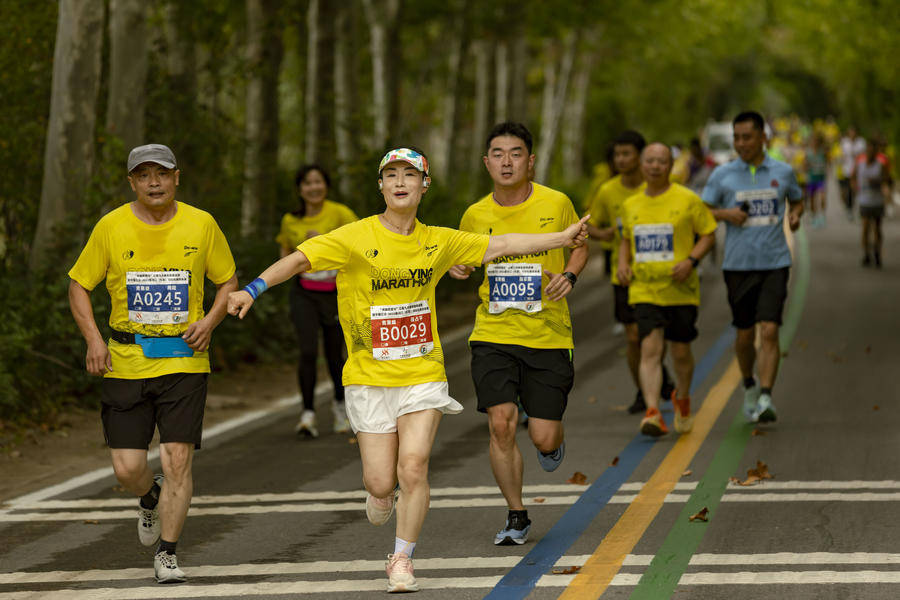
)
(133, 408)
(756, 296)
(678, 322)
(540, 379)
(624, 312)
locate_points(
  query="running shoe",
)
(765, 410)
(751, 395)
(653, 424)
(341, 422)
(549, 462)
(166, 567)
(307, 424)
(684, 420)
(379, 510)
(515, 532)
(148, 520)
(638, 406)
(399, 569)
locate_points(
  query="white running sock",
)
(403, 546)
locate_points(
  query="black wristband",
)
(571, 277)
(694, 261)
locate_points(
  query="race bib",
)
(514, 285)
(762, 204)
(654, 243)
(157, 297)
(401, 330)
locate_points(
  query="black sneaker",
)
(878, 260)
(867, 261)
(639, 406)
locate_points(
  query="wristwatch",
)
(571, 277)
(694, 261)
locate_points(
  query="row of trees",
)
(246, 90)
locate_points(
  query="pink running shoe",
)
(399, 569)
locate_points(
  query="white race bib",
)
(401, 330)
(157, 297)
(762, 204)
(514, 285)
(654, 243)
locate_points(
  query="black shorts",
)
(539, 378)
(678, 322)
(756, 296)
(623, 312)
(133, 408)
(871, 212)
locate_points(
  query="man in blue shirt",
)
(752, 194)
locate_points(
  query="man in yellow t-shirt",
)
(153, 253)
(658, 257)
(396, 389)
(522, 341)
(606, 224)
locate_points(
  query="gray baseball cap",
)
(155, 153)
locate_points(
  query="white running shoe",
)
(166, 567)
(765, 410)
(341, 422)
(379, 510)
(148, 524)
(751, 395)
(399, 569)
(307, 424)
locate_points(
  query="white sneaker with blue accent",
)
(515, 532)
(751, 395)
(549, 462)
(765, 410)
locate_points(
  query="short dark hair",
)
(512, 128)
(751, 115)
(302, 172)
(630, 137)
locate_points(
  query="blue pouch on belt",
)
(163, 347)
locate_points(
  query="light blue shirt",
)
(759, 244)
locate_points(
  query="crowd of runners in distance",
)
(368, 286)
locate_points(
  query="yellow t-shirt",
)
(154, 275)
(512, 309)
(295, 228)
(385, 291)
(660, 230)
(606, 210)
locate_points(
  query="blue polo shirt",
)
(758, 244)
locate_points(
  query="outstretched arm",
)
(292, 264)
(516, 244)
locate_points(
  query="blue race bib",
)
(654, 243)
(762, 204)
(157, 297)
(514, 285)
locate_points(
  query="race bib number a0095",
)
(401, 330)
(514, 285)
(157, 297)
(654, 243)
(762, 206)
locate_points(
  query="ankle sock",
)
(151, 498)
(767, 391)
(749, 382)
(401, 545)
(167, 547)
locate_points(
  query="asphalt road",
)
(275, 516)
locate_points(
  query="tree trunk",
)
(69, 152)
(518, 107)
(554, 101)
(342, 139)
(482, 83)
(573, 124)
(381, 16)
(261, 128)
(501, 98)
(311, 98)
(442, 150)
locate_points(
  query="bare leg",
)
(633, 352)
(178, 487)
(416, 436)
(506, 459)
(546, 434)
(683, 362)
(651, 367)
(769, 353)
(745, 350)
(131, 469)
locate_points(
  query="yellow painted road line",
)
(598, 572)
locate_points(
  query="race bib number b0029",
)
(401, 330)
(157, 297)
(762, 206)
(514, 285)
(654, 243)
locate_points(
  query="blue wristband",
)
(256, 287)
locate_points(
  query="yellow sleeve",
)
(283, 238)
(569, 216)
(626, 220)
(330, 250)
(465, 248)
(93, 262)
(704, 222)
(465, 224)
(219, 261)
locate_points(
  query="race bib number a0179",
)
(157, 297)
(401, 330)
(654, 243)
(762, 205)
(514, 285)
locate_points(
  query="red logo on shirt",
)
(774, 183)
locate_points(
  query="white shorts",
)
(375, 409)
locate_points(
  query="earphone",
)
(380, 185)
(425, 183)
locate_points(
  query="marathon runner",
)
(749, 194)
(153, 253)
(870, 184)
(396, 389)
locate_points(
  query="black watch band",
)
(694, 261)
(571, 277)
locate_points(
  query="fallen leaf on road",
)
(592, 399)
(700, 516)
(614, 462)
(875, 407)
(868, 349)
(578, 478)
(756, 475)
(734, 480)
(687, 473)
(539, 500)
(351, 440)
(757, 431)
(565, 570)
(91, 522)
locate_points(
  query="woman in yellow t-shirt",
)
(313, 296)
(396, 388)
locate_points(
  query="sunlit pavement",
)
(276, 516)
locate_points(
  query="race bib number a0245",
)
(514, 285)
(401, 330)
(157, 297)
(762, 206)
(654, 243)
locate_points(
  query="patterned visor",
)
(406, 155)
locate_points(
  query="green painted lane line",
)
(665, 570)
